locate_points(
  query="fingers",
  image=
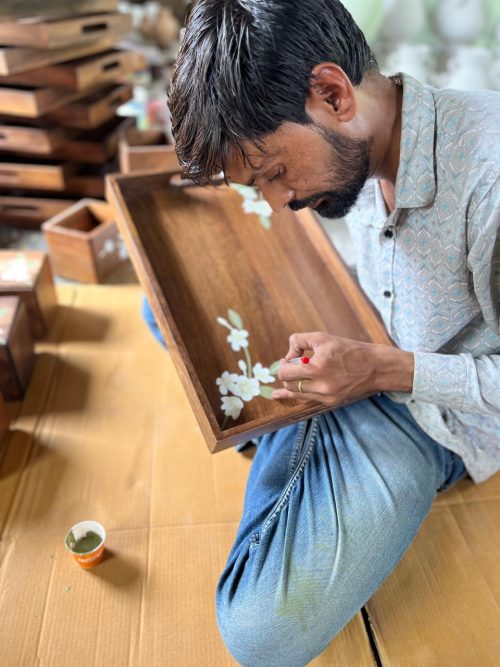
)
(300, 342)
(280, 394)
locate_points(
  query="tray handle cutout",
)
(94, 27)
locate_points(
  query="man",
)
(288, 96)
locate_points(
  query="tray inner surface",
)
(208, 255)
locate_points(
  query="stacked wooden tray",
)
(228, 291)
(62, 80)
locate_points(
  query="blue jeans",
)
(331, 506)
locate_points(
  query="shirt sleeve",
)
(461, 381)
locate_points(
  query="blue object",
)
(149, 318)
(331, 505)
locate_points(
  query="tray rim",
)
(217, 439)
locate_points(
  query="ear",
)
(330, 93)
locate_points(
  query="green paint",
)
(85, 544)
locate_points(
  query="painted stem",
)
(249, 363)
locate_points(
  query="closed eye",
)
(276, 176)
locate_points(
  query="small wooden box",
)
(146, 150)
(33, 174)
(84, 242)
(27, 274)
(16, 348)
(33, 101)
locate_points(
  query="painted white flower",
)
(227, 382)
(242, 366)
(108, 247)
(232, 406)
(246, 191)
(238, 338)
(247, 388)
(260, 207)
(263, 374)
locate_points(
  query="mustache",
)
(297, 204)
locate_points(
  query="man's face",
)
(307, 165)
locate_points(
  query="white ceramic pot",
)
(403, 20)
(469, 69)
(460, 21)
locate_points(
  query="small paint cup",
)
(87, 549)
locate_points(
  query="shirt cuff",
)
(440, 379)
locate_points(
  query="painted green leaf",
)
(266, 392)
(235, 319)
(265, 222)
(274, 368)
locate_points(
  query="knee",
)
(259, 633)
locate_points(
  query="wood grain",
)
(92, 110)
(146, 150)
(16, 348)
(17, 9)
(14, 59)
(36, 289)
(83, 241)
(29, 174)
(30, 211)
(30, 140)
(197, 254)
(113, 65)
(58, 33)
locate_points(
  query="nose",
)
(277, 196)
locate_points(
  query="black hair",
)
(244, 68)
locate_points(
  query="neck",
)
(387, 121)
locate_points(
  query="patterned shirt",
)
(432, 267)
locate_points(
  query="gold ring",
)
(300, 386)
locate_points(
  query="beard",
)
(350, 161)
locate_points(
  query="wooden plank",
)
(51, 33)
(198, 254)
(18, 9)
(441, 604)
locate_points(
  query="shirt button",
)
(387, 294)
(388, 234)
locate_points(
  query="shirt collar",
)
(416, 180)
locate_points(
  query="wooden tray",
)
(146, 150)
(33, 101)
(197, 255)
(51, 33)
(30, 140)
(13, 9)
(88, 180)
(93, 110)
(29, 211)
(96, 146)
(14, 59)
(46, 175)
(83, 73)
